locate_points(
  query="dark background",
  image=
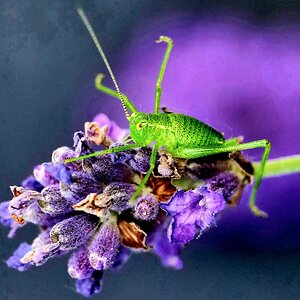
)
(47, 67)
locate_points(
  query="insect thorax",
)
(172, 131)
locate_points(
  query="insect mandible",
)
(181, 135)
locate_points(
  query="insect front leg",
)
(201, 152)
(162, 70)
(149, 172)
(107, 151)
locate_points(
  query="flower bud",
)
(120, 157)
(104, 247)
(53, 202)
(118, 194)
(82, 185)
(22, 200)
(79, 266)
(73, 232)
(146, 208)
(63, 153)
(225, 183)
(140, 161)
(104, 170)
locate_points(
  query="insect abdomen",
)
(193, 133)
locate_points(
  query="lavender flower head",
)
(85, 208)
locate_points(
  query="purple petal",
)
(168, 253)
(89, 286)
(79, 266)
(43, 176)
(30, 183)
(180, 232)
(121, 258)
(212, 201)
(59, 171)
(5, 216)
(181, 201)
(115, 133)
(192, 211)
(14, 260)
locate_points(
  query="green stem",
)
(280, 166)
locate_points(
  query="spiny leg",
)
(108, 91)
(201, 152)
(162, 70)
(149, 172)
(103, 152)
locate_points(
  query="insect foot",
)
(257, 212)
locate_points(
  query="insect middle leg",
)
(201, 152)
(149, 172)
(162, 70)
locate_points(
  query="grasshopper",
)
(181, 135)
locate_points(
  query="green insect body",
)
(172, 131)
(181, 135)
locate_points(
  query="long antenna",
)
(94, 37)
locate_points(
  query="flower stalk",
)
(285, 165)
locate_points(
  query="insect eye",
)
(140, 125)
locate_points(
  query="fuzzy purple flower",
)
(79, 266)
(14, 260)
(85, 208)
(146, 208)
(87, 287)
(53, 202)
(104, 247)
(43, 176)
(118, 195)
(193, 211)
(30, 183)
(115, 133)
(168, 253)
(73, 232)
(81, 185)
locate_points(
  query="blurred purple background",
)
(242, 80)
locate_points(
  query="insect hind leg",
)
(202, 152)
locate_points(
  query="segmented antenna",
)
(93, 35)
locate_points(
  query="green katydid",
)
(181, 135)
